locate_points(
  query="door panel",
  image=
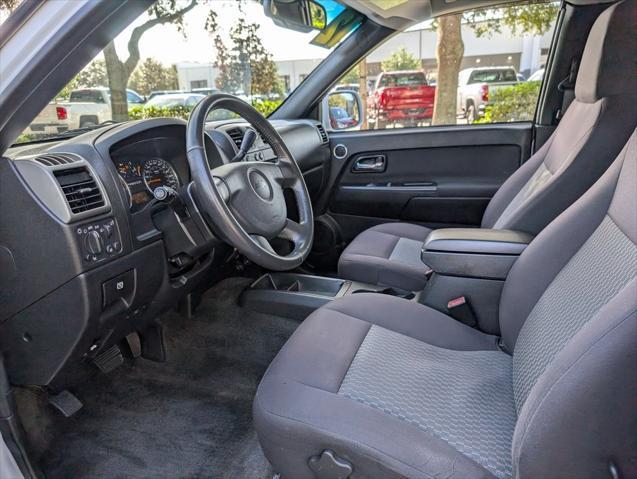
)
(434, 176)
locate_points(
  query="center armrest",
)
(477, 240)
(474, 252)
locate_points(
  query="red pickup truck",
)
(402, 97)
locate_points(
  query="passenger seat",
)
(590, 135)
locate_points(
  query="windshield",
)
(197, 48)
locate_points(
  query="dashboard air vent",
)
(236, 134)
(322, 133)
(80, 189)
(55, 159)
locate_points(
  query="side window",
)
(133, 98)
(480, 66)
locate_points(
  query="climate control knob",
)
(94, 243)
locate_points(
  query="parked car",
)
(155, 93)
(537, 76)
(92, 106)
(401, 96)
(188, 100)
(476, 84)
(52, 120)
(340, 118)
(205, 91)
(348, 87)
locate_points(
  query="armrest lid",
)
(477, 241)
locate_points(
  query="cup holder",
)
(389, 292)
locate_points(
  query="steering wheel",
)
(244, 201)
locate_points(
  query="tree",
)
(93, 75)
(449, 53)
(535, 17)
(119, 71)
(352, 76)
(246, 64)
(401, 59)
(8, 5)
(152, 75)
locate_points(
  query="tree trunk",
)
(117, 81)
(362, 89)
(449, 53)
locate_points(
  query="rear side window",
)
(86, 96)
(403, 79)
(493, 76)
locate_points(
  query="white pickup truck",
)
(85, 107)
(92, 106)
(476, 84)
(53, 120)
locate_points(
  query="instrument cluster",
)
(141, 176)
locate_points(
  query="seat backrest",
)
(588, 138)
(569, 315)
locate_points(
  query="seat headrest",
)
(609, 61)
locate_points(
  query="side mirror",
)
(299, 15)
(342, 110)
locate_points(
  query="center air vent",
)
(236, 135)
(55, 159)
(322, 133)
(80, 189)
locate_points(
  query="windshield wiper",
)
(78, 131)
(67, 134)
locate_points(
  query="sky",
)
(169, 46)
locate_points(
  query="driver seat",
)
(372, 386)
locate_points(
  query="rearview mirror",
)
(342, 110)
(299, 15)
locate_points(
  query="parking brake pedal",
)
(110, 359)
(65, 402)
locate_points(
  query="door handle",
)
(369, 164)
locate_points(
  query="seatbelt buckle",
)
(460, 310)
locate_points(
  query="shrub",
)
(514, 103)
(138, 112)
(265, 107)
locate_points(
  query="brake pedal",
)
(66, 402)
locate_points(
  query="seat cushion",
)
(371, 367)
(387, 254)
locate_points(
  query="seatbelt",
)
(567, 88)
(460, 310)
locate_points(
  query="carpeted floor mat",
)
(187, 418)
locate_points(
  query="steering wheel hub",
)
(260, 185)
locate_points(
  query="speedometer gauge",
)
(157, 172)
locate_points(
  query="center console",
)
(470, 266)
(293, 295)
(468, 270)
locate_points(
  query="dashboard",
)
(100, 257)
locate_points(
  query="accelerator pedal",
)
(109, 359)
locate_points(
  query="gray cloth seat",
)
(398, 389)
(590, 135)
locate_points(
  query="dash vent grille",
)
(236, 135)
(55, 159)
(80, 189)
(322, 133)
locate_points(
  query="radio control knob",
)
(93, 242)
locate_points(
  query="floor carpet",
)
(187, 418)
